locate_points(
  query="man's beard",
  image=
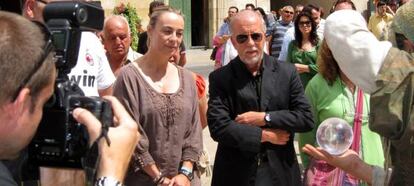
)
(254, 60)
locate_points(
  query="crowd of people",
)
(329, 88)
(276, 76)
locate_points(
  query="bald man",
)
(252, 121)
(116, 38)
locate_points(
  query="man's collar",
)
(284, 23)
(124, 60)
(378, 15)
(259, 70)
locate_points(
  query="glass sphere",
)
(334, 135)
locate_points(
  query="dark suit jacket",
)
(282, 96)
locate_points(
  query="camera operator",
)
(28, 73)
(93, 75)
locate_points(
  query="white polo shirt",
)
(92, 71)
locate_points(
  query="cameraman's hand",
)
(124, 137)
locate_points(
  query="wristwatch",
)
(267, 118)
(107, 181)
(186, 172)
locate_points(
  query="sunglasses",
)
(256, 37)
(288, 12)
(47, 49)
(304, 23)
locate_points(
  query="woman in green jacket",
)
(303, 50)
(332, 94)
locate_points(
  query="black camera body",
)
(60, 140)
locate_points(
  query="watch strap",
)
(186, 172)
(107, 181)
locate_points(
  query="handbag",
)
(320, 173)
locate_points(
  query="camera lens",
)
(82, 15)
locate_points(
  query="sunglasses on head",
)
(288, 12)
(256, 37)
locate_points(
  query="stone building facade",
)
(204, 17)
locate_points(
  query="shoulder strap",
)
(340, 177)
(358, 121)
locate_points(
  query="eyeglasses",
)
(47, 49)
(288, 12)
(256, 37)
(305, 23)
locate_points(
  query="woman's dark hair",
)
(381, 3)
(237, 9)
(263, 14)
(313, 37)
(308, 8)
(250, 5)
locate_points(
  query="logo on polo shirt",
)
(89, 58)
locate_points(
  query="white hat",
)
(358, 52)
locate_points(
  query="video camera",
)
(60, 140)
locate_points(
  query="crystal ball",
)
(334, 135)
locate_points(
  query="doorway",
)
(199, 23)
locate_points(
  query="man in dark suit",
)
(256, 105)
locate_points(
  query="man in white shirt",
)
(92, 71)
(116, 38)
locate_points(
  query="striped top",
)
(278, 32)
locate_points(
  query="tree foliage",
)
(134, 21)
